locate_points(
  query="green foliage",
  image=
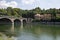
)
(37, 10)
(17, 12)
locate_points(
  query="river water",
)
(32, 31)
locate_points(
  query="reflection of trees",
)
(3, 27)
(49, 30)
(6, 30)
(36, 29)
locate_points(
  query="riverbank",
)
(4, 37)
(48, 23)
(7, 38)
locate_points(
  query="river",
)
(31, 31)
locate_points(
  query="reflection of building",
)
(43, 16)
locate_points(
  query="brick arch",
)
(17, 20)
(28, 20)
(5, 21)
(24, 21)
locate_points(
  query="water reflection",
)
(33, 31)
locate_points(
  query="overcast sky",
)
(30, 4)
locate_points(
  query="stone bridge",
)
(12, 19)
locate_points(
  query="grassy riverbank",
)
(1, 38)
(4, 37)
(7, 38)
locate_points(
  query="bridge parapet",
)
(12, 18)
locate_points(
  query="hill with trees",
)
(17, 12)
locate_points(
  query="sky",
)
(30, 4)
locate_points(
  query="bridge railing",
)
(10, 16)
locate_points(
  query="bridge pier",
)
(29, 20)
(21, 23)
(12, 28)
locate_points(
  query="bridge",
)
(12, 19)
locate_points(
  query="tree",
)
(9, 11)
(3, 12)
(43, 11)
(19, 11)
(53, 13)
(37, 10)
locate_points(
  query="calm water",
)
(33, 31)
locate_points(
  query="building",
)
(47, 16)
(39, 16)
(43, 16)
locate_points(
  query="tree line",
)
(17, 12)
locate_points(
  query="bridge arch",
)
(5, 21)
(24, 21)
(17, 22)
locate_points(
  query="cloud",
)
(12, 4)
(28, 1)
(5, 4)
